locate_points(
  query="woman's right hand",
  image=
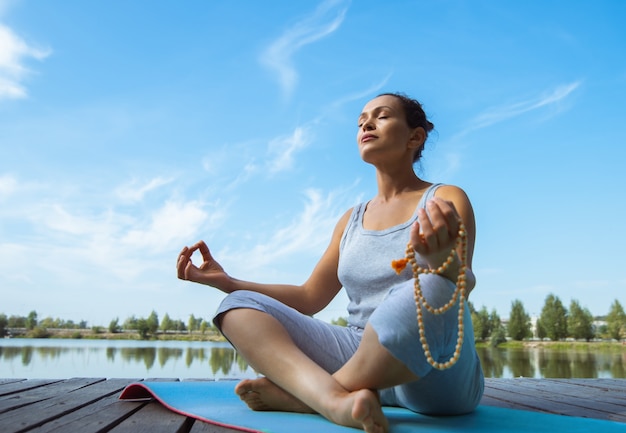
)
(210, 272)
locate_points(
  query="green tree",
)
(553, 319)
(616, 321)
(497, 333)
(114, 326)
(143, 328)
(519, 322)
(4, 321)
(179, 326)
(130, 323)
(498, 336)
(482, 324)
(193, 323)
(166, 323)
(341, 321)
(579, 322)
(31, 320)
(153, 322)
(17, 322)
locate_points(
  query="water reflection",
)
(172, 359)
(101, 358)
(546, 363)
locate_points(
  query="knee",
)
(229, 321)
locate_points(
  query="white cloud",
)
(8, 185)
(171, 226)
(278, 56)
(13, 52)
(283, 149)
(134, 191)
(306, 235)
(63, 221)
(499, 114)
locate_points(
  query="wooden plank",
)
(617, 387)
(575, 395)
(154, 418)
(24, 385)
(100, 415)
(5, 381)
(37, 392)
(76, 394)
(534, 394)
(205, 427)
(588, 391)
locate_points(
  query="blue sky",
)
(129, 129)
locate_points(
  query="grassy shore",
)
(215, 336)
(560, 345)
(91, 334)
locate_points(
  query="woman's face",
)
(383, 130)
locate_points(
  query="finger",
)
(204, 250)
(186, 252)
(445, 219)
(181, 265)
(452, 217)
(430, 240)
(189, 268)
(416, 238)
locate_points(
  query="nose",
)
(367, 125)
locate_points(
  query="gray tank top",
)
(365, 261)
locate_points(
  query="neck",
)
(394, 183)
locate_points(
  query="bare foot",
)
(262, 394)
(360, 409)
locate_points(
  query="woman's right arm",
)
(308, 298)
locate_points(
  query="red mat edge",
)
(141, 392)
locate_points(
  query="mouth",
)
(367, 137)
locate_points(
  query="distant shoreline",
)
(560, 345)
(212, 335)
(89, 334)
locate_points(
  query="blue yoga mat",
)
(216, 402)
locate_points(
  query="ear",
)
(417, 138)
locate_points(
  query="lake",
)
(59, 359)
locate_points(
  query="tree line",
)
(555, 322)
(146, 327)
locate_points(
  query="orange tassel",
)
(399, 265)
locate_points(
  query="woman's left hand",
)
(434, 233)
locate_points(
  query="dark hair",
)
(415, 117)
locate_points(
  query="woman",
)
(347, 373)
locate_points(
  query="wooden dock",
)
(88, 405)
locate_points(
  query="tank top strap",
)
(428, 194)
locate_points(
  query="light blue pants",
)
(456, 390)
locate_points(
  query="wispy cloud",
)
(13, 53)
(8, 185)
(283, 149)
(368, 92)
(278, 56)
(135, 191)
(309, 232)
(169, 227)
(505, 112)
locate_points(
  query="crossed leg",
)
(294, 382)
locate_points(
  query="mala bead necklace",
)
(420, 302)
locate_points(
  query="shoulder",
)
(452, 193)
(343, 221)
(459, 199)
